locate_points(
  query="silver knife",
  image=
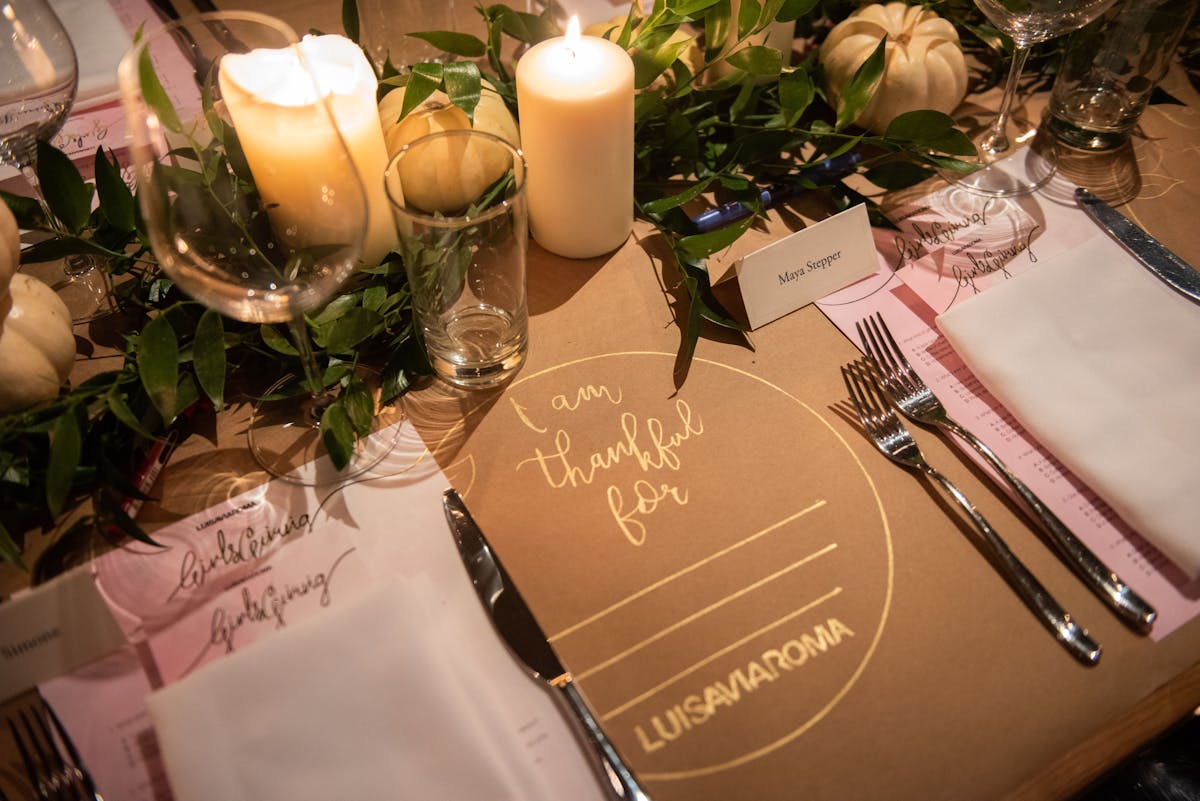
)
(527, 642)
(1169, 268)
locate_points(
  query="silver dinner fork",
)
(53, 777)
(891, 437)
(914, 397)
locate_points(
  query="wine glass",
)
(37, 88)
(1027, 22)
(253, 202)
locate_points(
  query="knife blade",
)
(1165, 265)
(520, 631)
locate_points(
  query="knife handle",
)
(1122, 598)
(619, 777)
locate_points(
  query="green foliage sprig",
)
(695, 135)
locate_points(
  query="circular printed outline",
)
(816, 717)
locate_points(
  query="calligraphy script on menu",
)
(954, 245)
(686, 552)
(224, 579)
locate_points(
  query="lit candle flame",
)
(571, 40)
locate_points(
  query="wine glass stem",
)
(76, 265)
(321, 396)
(995, 141)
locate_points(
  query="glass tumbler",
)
(1110, 68)
(458, 198)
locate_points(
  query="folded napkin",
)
(374, 699)
(1100, 362)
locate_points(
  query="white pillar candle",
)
(273, 103)
(575, 100)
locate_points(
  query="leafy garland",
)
(754, 126)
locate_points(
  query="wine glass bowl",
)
(39, 76)
(1026, 22)
(252, 201)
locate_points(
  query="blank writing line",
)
(718, 654)
(696, 615)
(609, 610)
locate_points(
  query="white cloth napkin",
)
(1100, 362)
(369, 700)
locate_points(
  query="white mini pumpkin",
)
(924, 64)
(37, 346)
(450, 175)
(10, 246)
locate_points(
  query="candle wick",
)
(571, 50)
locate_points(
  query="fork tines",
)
(53, 777)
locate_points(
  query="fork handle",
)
(1070, 634)
(1128, 605)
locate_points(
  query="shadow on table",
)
(1166, 770)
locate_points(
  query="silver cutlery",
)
(1154, 255)
(918, 403)
(527, 642)
(53, 776)
(890, 436)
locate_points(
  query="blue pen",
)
(827, 170)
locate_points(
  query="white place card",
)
(807, 265)
(53, 629)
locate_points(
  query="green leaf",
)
(352, 328)
(350, 20)
(897, 174)
(66, 448)
(9, 549)
(115, 399)
(68, 197)
(337, 433)
(360, 406)
(461, 79)
(158, 365)
(795, 9)
(861, 86)
(796, 94)
(277, 341)
(527, 28)
(58, 247)
(459, 44)
(758, 60)
(116, 201)
(690, 8)
(674, 201)
(423, 81)
(208, 356)
(700, 246)
(154, 94)
(334, 309)
(27, 210)
(110, 513)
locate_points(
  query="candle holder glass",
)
(254, 207)
(459, 202)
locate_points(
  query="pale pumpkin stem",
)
(995, 142)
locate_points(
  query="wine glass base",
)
(86, 296)
(285, 437)
(1019, 173)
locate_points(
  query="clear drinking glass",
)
(1111, 67)
(385, 25)
(1027, 22)
(252, 201)
(38, 79)
(459, 202)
